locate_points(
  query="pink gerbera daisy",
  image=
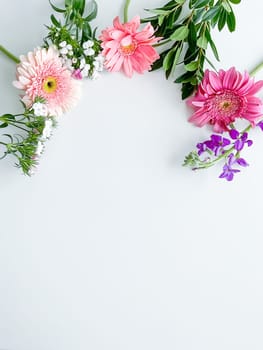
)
(223, 97)
(125, 48)
(42, 74)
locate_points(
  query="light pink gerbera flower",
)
(125, 48)
(223, 97)
(41, 73)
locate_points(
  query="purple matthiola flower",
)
(216, 144)
(241, 139)
(260, 124)
(228, 171)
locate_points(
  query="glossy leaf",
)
(8, 116)
(176, 59)
(201, 3)
(222, 19)
(231, 21)
(168, 59)
(180, 33)
(55, 21)
(226, 6)
(192, 34)
(212, 44)
(93, 13)
(187, 90)
(3, 125)
(202, 42)
(184, 78)
(192, 66)
(56, 8)
(79, 6)
(212, 12)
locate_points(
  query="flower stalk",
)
(256, 69)
(9, 54)
(126, 8)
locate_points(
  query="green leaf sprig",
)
(24, 144)
(71, 31)
(188, 36)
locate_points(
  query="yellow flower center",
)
(128, 49)
(49, 84)
(227, 104)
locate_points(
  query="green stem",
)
(9, 54)
(256, 69)
(17, 126)
(162, 43)
(125, 13)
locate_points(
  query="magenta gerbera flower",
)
(223, 97)
(42, 74)
(125, 48)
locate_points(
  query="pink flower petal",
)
(223, 97)
(127, 67)
(124, 47)
(214, 81)
(126, 41)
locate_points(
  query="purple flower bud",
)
(260, 124)
(234, 134)
(244, 136)
(239, 145)
(228, 171)
(242, 162)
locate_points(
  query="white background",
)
(113, 245)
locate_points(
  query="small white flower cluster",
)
(84, 69)
(40, 110)
(87, 46)
(98, 65)
(65, 49)
(46, 134)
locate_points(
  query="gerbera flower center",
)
(227, 104)
(128, 50)
(49, 84)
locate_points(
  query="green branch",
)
(9, 54)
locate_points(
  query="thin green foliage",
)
(187, 37)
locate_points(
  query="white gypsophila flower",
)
(40, 148)
(68, 63)
(87, 44)
(85, 70)
(74, 60)
(47, 131)
(99, 63)
(87, 67)
(100, 58)
(69, 47)
(40, 109)
(98, 66)
(62, 44)
(89, 52)
(85, 73)
(63, 51)
(82, 63)
(70, 53)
